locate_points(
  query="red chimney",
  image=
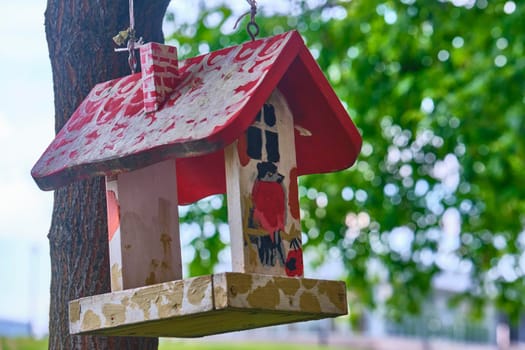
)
(160, 69)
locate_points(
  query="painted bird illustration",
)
(268, 199)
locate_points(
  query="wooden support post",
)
(263, 207)
(143, 227)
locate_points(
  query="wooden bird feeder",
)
(245, 121)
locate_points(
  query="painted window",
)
(263, 140)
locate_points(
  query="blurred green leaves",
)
(437, 89)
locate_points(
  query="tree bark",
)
(79, 36)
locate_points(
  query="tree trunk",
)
(79, 36)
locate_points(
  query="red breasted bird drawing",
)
(268, 199)
(269, 210)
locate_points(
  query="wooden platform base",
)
(207, 305)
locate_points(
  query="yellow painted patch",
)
(151, 279)
(116, 277)
(115, 314)
(335, 295)
(165, 266)
(143, 298)
(289, 286)
(266, 297)
(309, 283)
(220, 297)
(165, 240)
(241, 283)
(90, 321)
(74, 311)
(171, 304)
(154, 263)
(293, 232)
(253, 257)
(197, 290)
(165, 225)
(309, 303)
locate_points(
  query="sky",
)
(26, 127)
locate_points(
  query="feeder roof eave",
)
(258, 68)
(216, 99)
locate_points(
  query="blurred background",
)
(427, 228)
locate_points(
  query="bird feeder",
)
(245, 121)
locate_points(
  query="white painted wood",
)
(235, 217)
(137, 305)
(147, 249)
(241, 175)
(207, 305)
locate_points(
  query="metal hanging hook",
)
(252, 28)
(132, 60)
(128, 36)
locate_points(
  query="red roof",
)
(216, 99)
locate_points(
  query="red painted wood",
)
(160, 73)
(215, 100)
(113, 209)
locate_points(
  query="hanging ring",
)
(253, 29)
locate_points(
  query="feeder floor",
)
(207, 305)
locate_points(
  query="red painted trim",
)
(121, 137)
(113, 209)
(332, 99)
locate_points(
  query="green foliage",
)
(204, 220)
(23, 344)
(437, 91)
